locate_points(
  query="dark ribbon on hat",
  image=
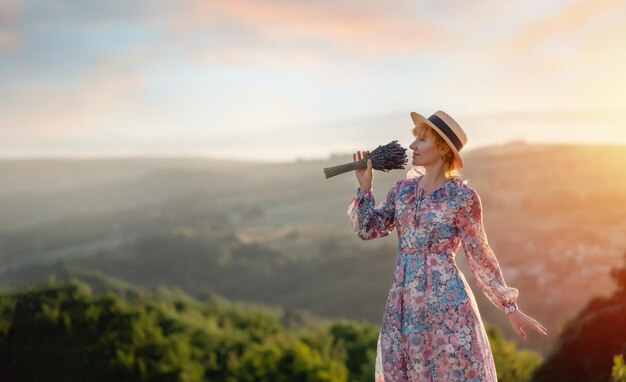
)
(446, 130)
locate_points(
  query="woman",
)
(432, 329)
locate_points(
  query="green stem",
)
(342, 168)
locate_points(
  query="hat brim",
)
(419, 119)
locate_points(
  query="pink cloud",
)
(8, 41)
(371, 30)
(93, 102)
(558, 25)
(9, 11)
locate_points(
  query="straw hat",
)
(449, 130)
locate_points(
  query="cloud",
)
(364, 28)
(8, 41)
(92, 102)
(549, 56)
(177, 75)
(560, 24)
(609, 116)
(9, 11)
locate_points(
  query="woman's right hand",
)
(363, 175)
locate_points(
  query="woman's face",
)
(425, 151)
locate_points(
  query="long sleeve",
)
(480, 257)
(369, 222)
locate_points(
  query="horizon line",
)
(200, 156)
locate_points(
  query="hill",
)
(278, 233)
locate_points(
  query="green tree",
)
(618, 373)
(61, 333)
(285, 359)
(64, 332)
(512, 365)
(359, 342)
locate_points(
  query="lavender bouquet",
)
(391, 156)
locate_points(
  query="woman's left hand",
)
(519, 320)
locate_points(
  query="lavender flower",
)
(391, 156)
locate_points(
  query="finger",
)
(369, 164)
(358, 154)
(518, 329)
(521, 332)
(353, 156)
(540, 329)
(536, 323)
(367, 154)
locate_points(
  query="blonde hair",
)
(424, 130)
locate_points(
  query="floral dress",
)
(431, 328)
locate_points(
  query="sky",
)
(280, 80)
